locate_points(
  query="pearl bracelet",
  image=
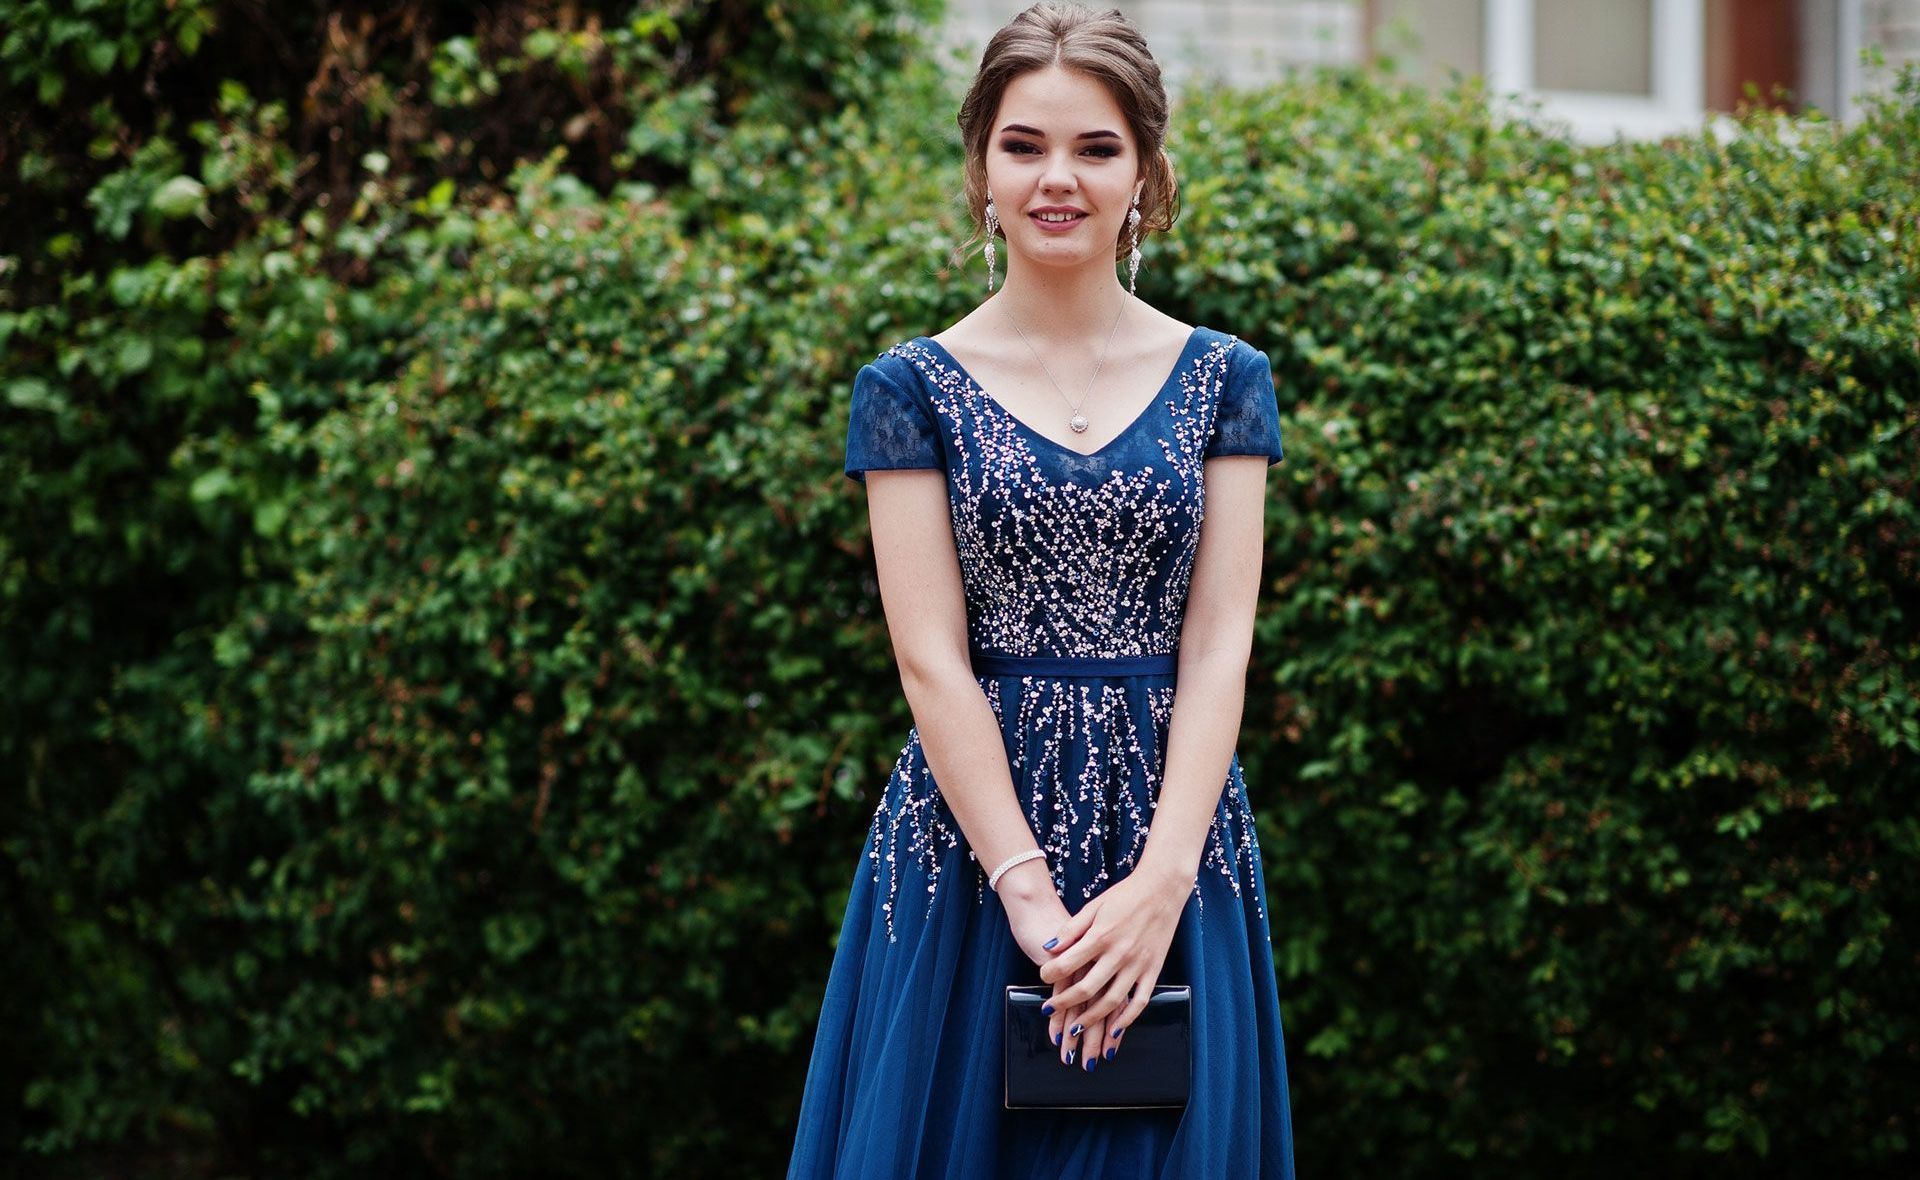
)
(993, 880)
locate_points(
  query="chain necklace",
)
(1079, 421)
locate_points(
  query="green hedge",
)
(453, 693)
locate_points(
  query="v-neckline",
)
(1179, 367)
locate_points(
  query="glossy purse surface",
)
(1153, 1068)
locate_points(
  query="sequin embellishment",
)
(1064, 554)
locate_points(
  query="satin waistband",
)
(987, 663)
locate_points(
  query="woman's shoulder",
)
(920, 364)
(1221, 352)
(1237, 349)
(900, 364)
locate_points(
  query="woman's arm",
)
(1216, 642)
(925, 605)
(1111, 951)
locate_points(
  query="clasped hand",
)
(1106, 958)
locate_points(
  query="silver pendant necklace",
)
(1078, 422)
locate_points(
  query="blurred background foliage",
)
(447, 687)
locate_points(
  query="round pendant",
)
(1079, 423)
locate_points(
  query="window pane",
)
(1429, 36)
(1583, 45)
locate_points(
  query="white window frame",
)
(1678, 73)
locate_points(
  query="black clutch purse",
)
(1153, 1068)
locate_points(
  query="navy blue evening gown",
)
(1076, 570)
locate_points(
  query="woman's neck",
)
(1066, 306)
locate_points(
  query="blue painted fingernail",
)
(1049, 944)
(1046, 1009)
(1091, 1062)
(1056, 1038)
(1075, 1030)
(1070, 1053)
(1111, 1050)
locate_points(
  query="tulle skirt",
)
(906, 1077)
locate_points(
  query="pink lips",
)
(1056, 226)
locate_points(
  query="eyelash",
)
(1104, 151)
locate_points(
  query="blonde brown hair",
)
(1105, 46)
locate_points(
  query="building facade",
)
(1596, 68)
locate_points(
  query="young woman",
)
(1073, 642)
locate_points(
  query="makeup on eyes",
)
(1013, 144)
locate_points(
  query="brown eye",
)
(1103, 152)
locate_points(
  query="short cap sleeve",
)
(890, 426)
(1248, 420)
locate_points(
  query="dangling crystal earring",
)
(993, 227)
(1133, 227)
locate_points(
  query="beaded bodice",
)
(1065, 557)
(1064, 553)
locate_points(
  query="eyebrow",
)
(1026, 130)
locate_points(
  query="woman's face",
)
(1060, 141)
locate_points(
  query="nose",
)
(1058, 178)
